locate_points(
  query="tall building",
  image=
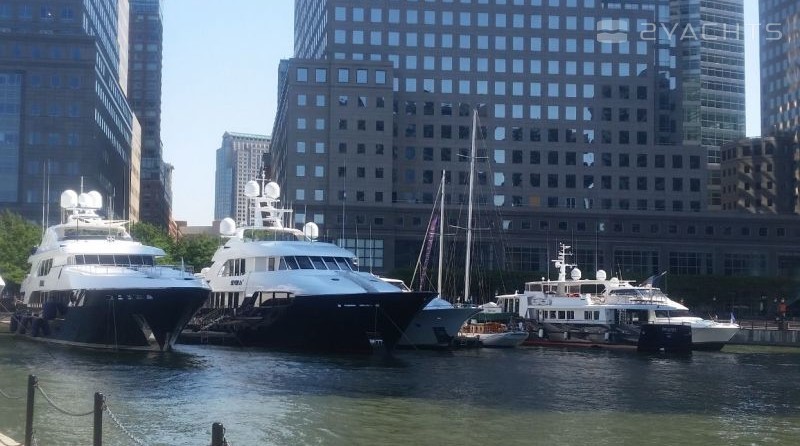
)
(65, 119)
(240, 158)
(581, 124)
(761, 175)
(708, 39)
(144, 92)
(780, 66)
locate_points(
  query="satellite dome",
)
(272, 190)
(311, 230)
(575, 274)
(69, 199)
(85, 200)
(227, 226)
(96, 199)
(601, 275)
(251, 189)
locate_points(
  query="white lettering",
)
(650, 30)
(774, 31)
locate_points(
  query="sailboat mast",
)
(469, 205)
(441, 237)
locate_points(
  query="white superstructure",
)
(605, 310)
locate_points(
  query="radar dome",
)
(272, 190)
(575, 274)
(69, 199)
(614, 281)
(251, 189)
(311, 230)
(96, 199)
(601, 275)
(84, 200)
(227, 226)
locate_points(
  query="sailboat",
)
(436, 325)
(490, 334)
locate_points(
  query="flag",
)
(733, 318)
(654, 280)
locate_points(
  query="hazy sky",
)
(221, 74)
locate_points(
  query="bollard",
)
(32, 381)
(99, 402)
(217, 435)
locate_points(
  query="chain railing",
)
(100, 406)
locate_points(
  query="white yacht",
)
(91, 285)
(605, 311)
(274, 286)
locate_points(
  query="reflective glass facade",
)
(780, 66)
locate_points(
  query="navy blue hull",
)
(114, 319)
(350, 323)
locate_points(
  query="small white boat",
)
(493, 334)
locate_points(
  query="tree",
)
(18, 237)
(196, 250)
(149, 234)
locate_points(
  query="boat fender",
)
(566, 335)
(541, 333)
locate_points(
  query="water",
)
(473, 397)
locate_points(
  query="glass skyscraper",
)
(64, 115)
(780, 66)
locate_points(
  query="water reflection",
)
(552, 396)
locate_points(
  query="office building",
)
(579, 122)
(240, 158)
(780, 66)
(760, 175)
(144, 93)
(65, 119)
(708, 38)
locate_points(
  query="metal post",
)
(99, 404)
(217, 435)
(32, 381)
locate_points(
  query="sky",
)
(221, 74)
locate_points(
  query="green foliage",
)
(196, 250)
(153, 235)
(17, 238)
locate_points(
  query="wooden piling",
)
(99, 403)
(32, 381)
(218, 435)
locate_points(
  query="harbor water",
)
(525, 396)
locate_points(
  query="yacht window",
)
(288, 263)
(106, 259)
(561, 314)
(318, 263)
(330, 262)
(271, 264)
(570, 314)
(552, 314)
(346, 263)
(304, 262)
(121, 260)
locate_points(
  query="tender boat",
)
(91, 285)
(275, 286)
(493, 328)
(606, 311)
